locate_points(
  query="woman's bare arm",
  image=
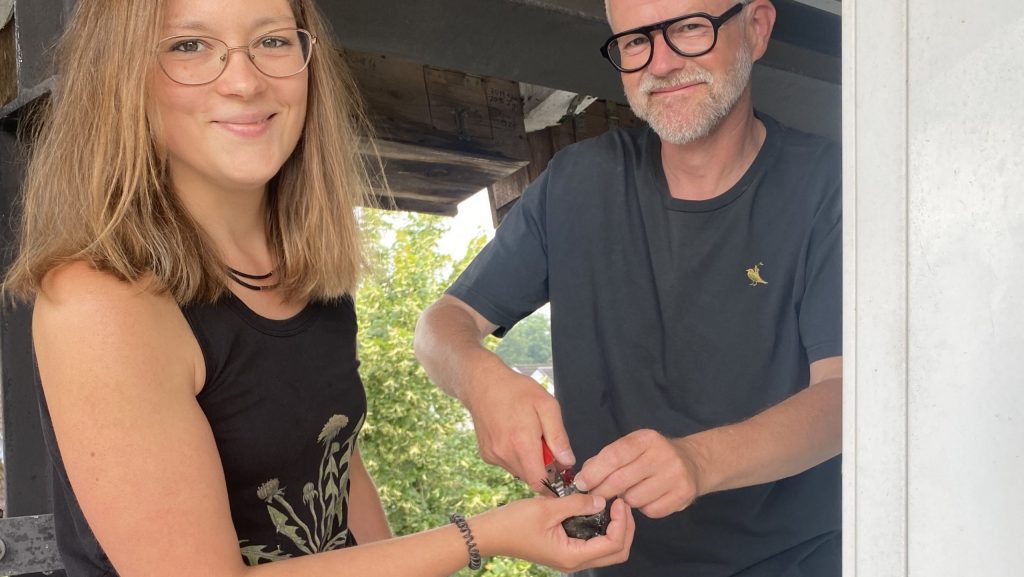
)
(119, 368)
(367, 520)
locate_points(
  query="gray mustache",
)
(649, 82)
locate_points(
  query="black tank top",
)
(285, 403)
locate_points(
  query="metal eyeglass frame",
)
(247, 48)
(716, 23)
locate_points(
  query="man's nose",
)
(663, 60)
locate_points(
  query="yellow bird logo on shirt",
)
(754, 274)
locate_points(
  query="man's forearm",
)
(511, 412)
(449, 346)
(789, 438)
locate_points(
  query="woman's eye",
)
(273, 42)
(188, 45)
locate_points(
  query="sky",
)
(473, 219)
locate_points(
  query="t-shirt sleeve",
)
(821, 309)
(508, 280)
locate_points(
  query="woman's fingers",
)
(609, 549)
(577, 504)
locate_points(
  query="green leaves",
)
(255, 553)
(528, 343)
(281, 525)
(417, 442)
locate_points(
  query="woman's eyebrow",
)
(189, 26)
(199, 26)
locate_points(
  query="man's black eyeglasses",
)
(689, 35)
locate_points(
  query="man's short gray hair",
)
(608, 11)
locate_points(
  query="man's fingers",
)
(644, 493)
(608, 463)
(663, 507)
(553, 429)
(512, 442)
(624, 479)
(527, 459)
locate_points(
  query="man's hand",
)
(656, 475)
(660, 476)
(510, 414)
(510, 411)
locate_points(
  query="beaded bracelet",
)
(474, 553)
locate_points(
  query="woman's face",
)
(235, 132)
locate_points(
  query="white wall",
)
(934, 287)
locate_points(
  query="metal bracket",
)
(28, 545)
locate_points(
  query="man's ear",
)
(760, 22)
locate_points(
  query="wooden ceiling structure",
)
(445, 80)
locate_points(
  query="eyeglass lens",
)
(690, 36)
(201, 59)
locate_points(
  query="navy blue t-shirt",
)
(681, 316)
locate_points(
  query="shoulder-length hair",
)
(96, 187)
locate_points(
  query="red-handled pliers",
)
(560, 482)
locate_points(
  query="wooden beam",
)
(416, 205)
(412, 103)
(8, 64)
(596, 119)
(550, 43)
(441, 135)
(504, 194)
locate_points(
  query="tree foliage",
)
(528, 343)
(418, 443)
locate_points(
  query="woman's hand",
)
(531, 529)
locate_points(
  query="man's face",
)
(684, 99)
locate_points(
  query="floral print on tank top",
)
(325, 500)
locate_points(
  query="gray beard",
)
(677, 128)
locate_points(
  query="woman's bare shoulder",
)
(79, 283)
(89, 314)
(77, 290)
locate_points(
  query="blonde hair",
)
(96, 188)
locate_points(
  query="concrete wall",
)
(934, 213)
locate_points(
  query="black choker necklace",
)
(237, 276)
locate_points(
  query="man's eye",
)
(691, 28)
(637, 42)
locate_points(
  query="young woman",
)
(190, 246)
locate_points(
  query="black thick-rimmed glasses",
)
(688, 35)
(195, 60)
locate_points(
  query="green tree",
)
(418, 443)
(528, 343)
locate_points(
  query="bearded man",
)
(694, 272)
